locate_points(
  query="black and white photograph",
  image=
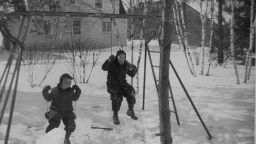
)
(127, 71)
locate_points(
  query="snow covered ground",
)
(228, 109)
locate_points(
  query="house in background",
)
(193, 23)
(46, 29)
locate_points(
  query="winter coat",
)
(117, 73)
(62, 98)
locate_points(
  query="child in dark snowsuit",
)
(61, 107)
(117, 86)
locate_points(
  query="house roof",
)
(122, 10)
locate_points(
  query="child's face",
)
(65, 83)
(121, 59)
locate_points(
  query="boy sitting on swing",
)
(61, 107)
(117, 68)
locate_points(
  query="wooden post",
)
(163, 97)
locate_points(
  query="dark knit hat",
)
(120, 52)
(65, 75)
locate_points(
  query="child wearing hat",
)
(61, 108)
(117, 68)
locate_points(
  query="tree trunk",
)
(220, 40)
(232, 45)
(132, 35)
(142, 32)
(252, 38)
(1, 46)
(179, 30)
(184, 28)
(211, 39)
(203, 16)
(250, 60)
(250, 66)
(138, 66)
(163, 97)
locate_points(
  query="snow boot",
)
(67, 141)
(115, 118)
(131, 113)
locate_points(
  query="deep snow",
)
(227, 108)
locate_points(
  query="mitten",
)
(111, 58)
(131, 67)
(75, 87)
(131, 70)
(46, 88)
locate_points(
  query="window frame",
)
(76, 27)
(98, 4)
(47, 28)
(106, 26)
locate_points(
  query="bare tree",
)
(250, 60)
(252, 39)
(181, 29)
(182, 10)
(142, 33)
(232, 35)
(163, 96)
(6, 8)
(220, 39)
(203, 16)
(132, 33)
(38, 60)
(96, 55)
(211, 38)
(179, 32)
(81, 57)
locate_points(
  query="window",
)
(47, 28)
(106, 26)
(76, 27)
(54, 6)
(98, 3)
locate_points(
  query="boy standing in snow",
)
(61, 107)
(117, 86)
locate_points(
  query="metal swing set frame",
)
(20, 44)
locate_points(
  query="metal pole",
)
(7, 65)
(14, 98)
(152, 68)
(79, 14)
(189, 98)
(111, 36)
(8, 92)
(144, 79)
(6, 77)
(174, 105)
(16, 83)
